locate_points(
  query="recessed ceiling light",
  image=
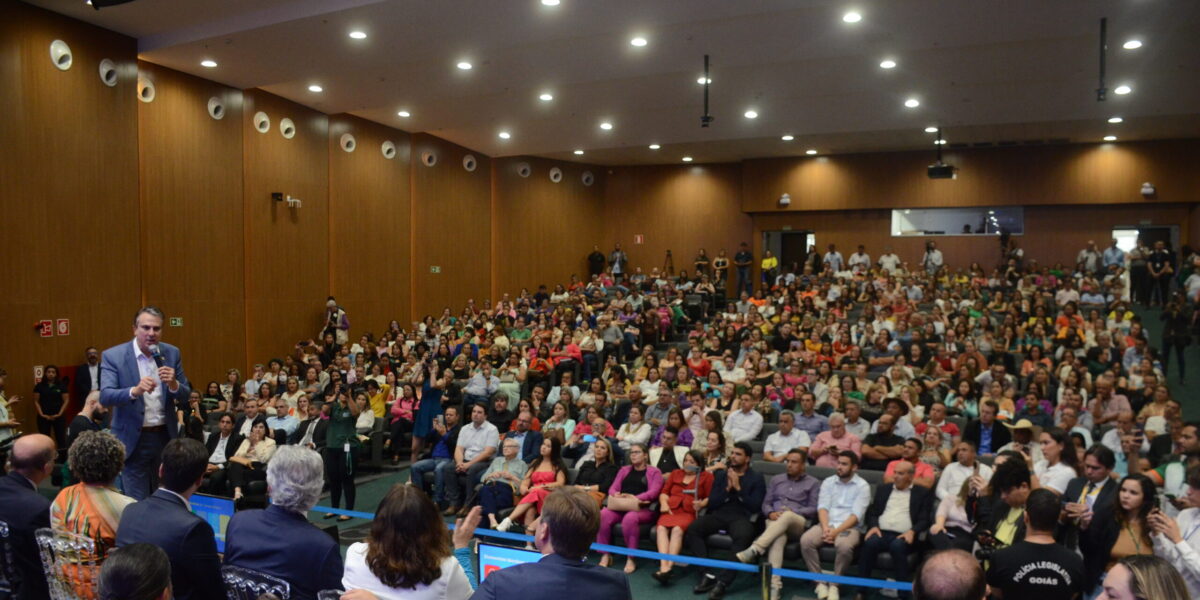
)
(577, 152)
(852, 17)
(504, 135)
(1122, 90)
(1110, 138)
(208, 63)
(750, 114)
(912, 103)
(887, 64)
(606, 125)
(546, 97)
(703, 80)
(1132, 45)
(931, 129)
(404, 113)
(655, 146)
(464, 65)
(687, 159)
(550, 2)
(358, 35)
(315, 88)
(811, 151)
(1115, 120)
(638, 41)
(787, 138)
(940, 142)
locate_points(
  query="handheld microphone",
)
(158, 357)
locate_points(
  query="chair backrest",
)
(70, 562)
(247, 584)
(9, 577)
(330, 594)
(768, 468)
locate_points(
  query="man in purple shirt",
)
(790, 505)
(808, 421)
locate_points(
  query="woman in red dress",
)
(545, 473)
(685, 492)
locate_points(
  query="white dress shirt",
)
(1184, 556)
(154, 414)
(744, 426)
(452, 585)
(779, 444)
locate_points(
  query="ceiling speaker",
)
(469, 162)
(556, 174)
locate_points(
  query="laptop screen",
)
(493, 558)
(217, 511)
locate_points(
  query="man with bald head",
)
(25, 510)
(950, 575)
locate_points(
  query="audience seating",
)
(9, 577)
(70, 563)
(247, 584)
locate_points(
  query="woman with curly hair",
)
(407, 554)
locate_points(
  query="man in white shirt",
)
(1112, 437)
(888, 261)
(731, 373)
(932, 261)
(221, 445)
(860, 262)
(1178, 540)
(745, 424)
(964, 467)
(833, 259)
(786, 439)
(477, 442)
(282, 420)
(841, 511)
(255, 381)
(855, 424)
(1068, 419)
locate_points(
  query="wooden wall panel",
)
(680, 208)
(1074, 174)
(68, 193)
(543, 231)
(370, 252)
(287, 250)
(451, 228)
(190, 168)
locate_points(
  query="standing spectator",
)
(828, 445)
(932, 261)
(738, 492)
(164, 520)
(721, 269)
(341, 451)
(742, 261)
(899, 511)
(595, 261)
(617, 262)
(888, 261)
(1038, 568)
(1161, 265)
(87, 375)
(1123, 531)
(790, 506)
(860, 262)
(52, 401)
(336, 322)
(636, 487)
(1139, 273)
(1059, 464)
(701, 264)
(473, 451)
(841, 509)
(684, 494)
(833, 260)
(1089, 260)
(787, 438)
(769, 269)
(1090, 494)
(1176, 334)
(279, 540)
(1114, 256)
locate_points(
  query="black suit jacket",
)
(531, 446)
(1068, 532)
(25, 511)
(284, 544)
(1000, 434)
(83, 380)
(920, 507)
(318, 437)
(548, 578)
(231, 446)
(163, 520)
(237, 426)
(991, 512)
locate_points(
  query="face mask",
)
(691, 468)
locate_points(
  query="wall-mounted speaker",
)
(469, 162)
(60, 55)
(262, 123)
(108, 72)
(524, 170)
(347, 142)
(287, 128)
(428, 158)
(216, 108)
(145, 89)
(556, 174)
(587, 178)
(388, 149)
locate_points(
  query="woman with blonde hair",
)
(1143, 577)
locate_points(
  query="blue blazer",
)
(118, 373)
(531, 445)
(282, 543)
(553, 577)
(25, 511)
(164, 521)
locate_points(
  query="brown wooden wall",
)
(370, 217)
(190, 170)
(543, 231)
(68, 194)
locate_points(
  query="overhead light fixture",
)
(358, 35)
(811, 151)
(940, 142)
(687, 159)
(464, 65)
(606, 125)
(788, 138)
(579, 153)
(546, 97)
(1122, 90)
(655, 146)
(852, 17)
(208, 63)
(504, 135)
(931, 129)
(1110, 138)
(1132, 45)
(887, 64)
(750, 114)
(549, 2)
(316, 89)
(638, 41)
(702, 80)
(404, 113)
(912, 103)
(1115, 120)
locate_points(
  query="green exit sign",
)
(435, 269)
(176, 321)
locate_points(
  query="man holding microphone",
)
(142, 382)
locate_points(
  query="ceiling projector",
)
(941, 170)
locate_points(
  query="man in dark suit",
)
(569, 522)
(531, 441)
(899, 512)
(87, 375)
(252, 414)
(311, 432)
(221, 446)
(737, 496)
(279, 540)
(143, 398)
(1000, 516)
(165, 520)
(986, 432)
(25, 510)
(1092, 494)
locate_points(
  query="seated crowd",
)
(851, 417)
